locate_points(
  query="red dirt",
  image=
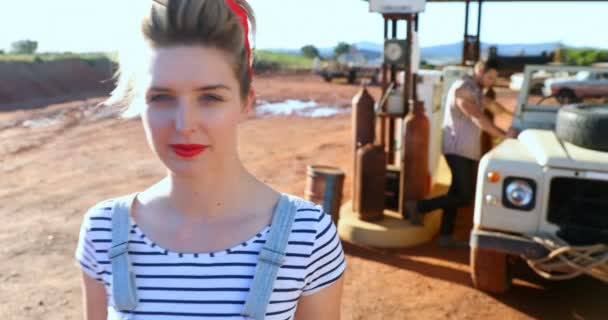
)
(28, 85)
(51, 175)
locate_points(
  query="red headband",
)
(242, 15)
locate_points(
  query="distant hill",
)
(445, 53)
(455, 50)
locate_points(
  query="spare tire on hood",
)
(584, 125)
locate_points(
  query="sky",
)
(101, 25)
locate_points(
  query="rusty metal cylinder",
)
(370, 181)
(324, 187)
(363, 126)
(416, 139)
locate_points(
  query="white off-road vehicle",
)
(544, 196)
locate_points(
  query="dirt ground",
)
(51, 172)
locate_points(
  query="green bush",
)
(310, 51)
(40, 57)
(24, 47)
(584, 57)
(277, 60)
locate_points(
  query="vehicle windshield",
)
(583, 75)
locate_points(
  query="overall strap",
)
(123, 280)
(270, 259)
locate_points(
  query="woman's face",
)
(192, 108)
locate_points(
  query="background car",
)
(585, 84)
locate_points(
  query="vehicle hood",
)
(550, 151)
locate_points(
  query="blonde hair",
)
(168, 23)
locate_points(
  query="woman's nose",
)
(184, 119)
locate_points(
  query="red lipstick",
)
(188, 150)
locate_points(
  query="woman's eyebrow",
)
(212, 87)
(159, 89)
(203, 88)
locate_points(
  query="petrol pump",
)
(392, 138)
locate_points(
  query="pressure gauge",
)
(395, 52)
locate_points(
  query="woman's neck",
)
(210, 196)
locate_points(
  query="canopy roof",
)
(519, 1)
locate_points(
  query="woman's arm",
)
(94, 298)
(324, 304)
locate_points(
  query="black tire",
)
(490, 270)
(566, 96)
(584, 125)
(327, 78)
(537, 89)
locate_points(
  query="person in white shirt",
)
(463, 123)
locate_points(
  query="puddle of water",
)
(40, 123)
(323, 112)
(298, 108)
(287, 107)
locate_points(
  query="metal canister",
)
(371, 178)
(416, 184)
(324, 187)
(363, 125)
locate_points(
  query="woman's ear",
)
(248, 106)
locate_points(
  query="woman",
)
(195, 236)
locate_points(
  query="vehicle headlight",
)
(519, 193)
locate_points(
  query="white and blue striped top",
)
(174, 285)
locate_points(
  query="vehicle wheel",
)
(490, 270)
(327, 78)
(566, 96)
(584, 125)
(537, 89)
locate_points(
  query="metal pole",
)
(466, 33)
(407, 94)
(390, 148)
(466, 18)
(478, 45)
(384, 87)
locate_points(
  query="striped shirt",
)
(213, 285)
(461, 136)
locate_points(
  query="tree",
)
(24, 47)
(341, 48)
(310, 51)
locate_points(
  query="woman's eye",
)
(211, 98)
(160, 97)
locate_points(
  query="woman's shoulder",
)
(102, 210)
(302, 205)
(309, 215)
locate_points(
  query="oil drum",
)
(324, 187)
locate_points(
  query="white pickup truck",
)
(543, 197)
